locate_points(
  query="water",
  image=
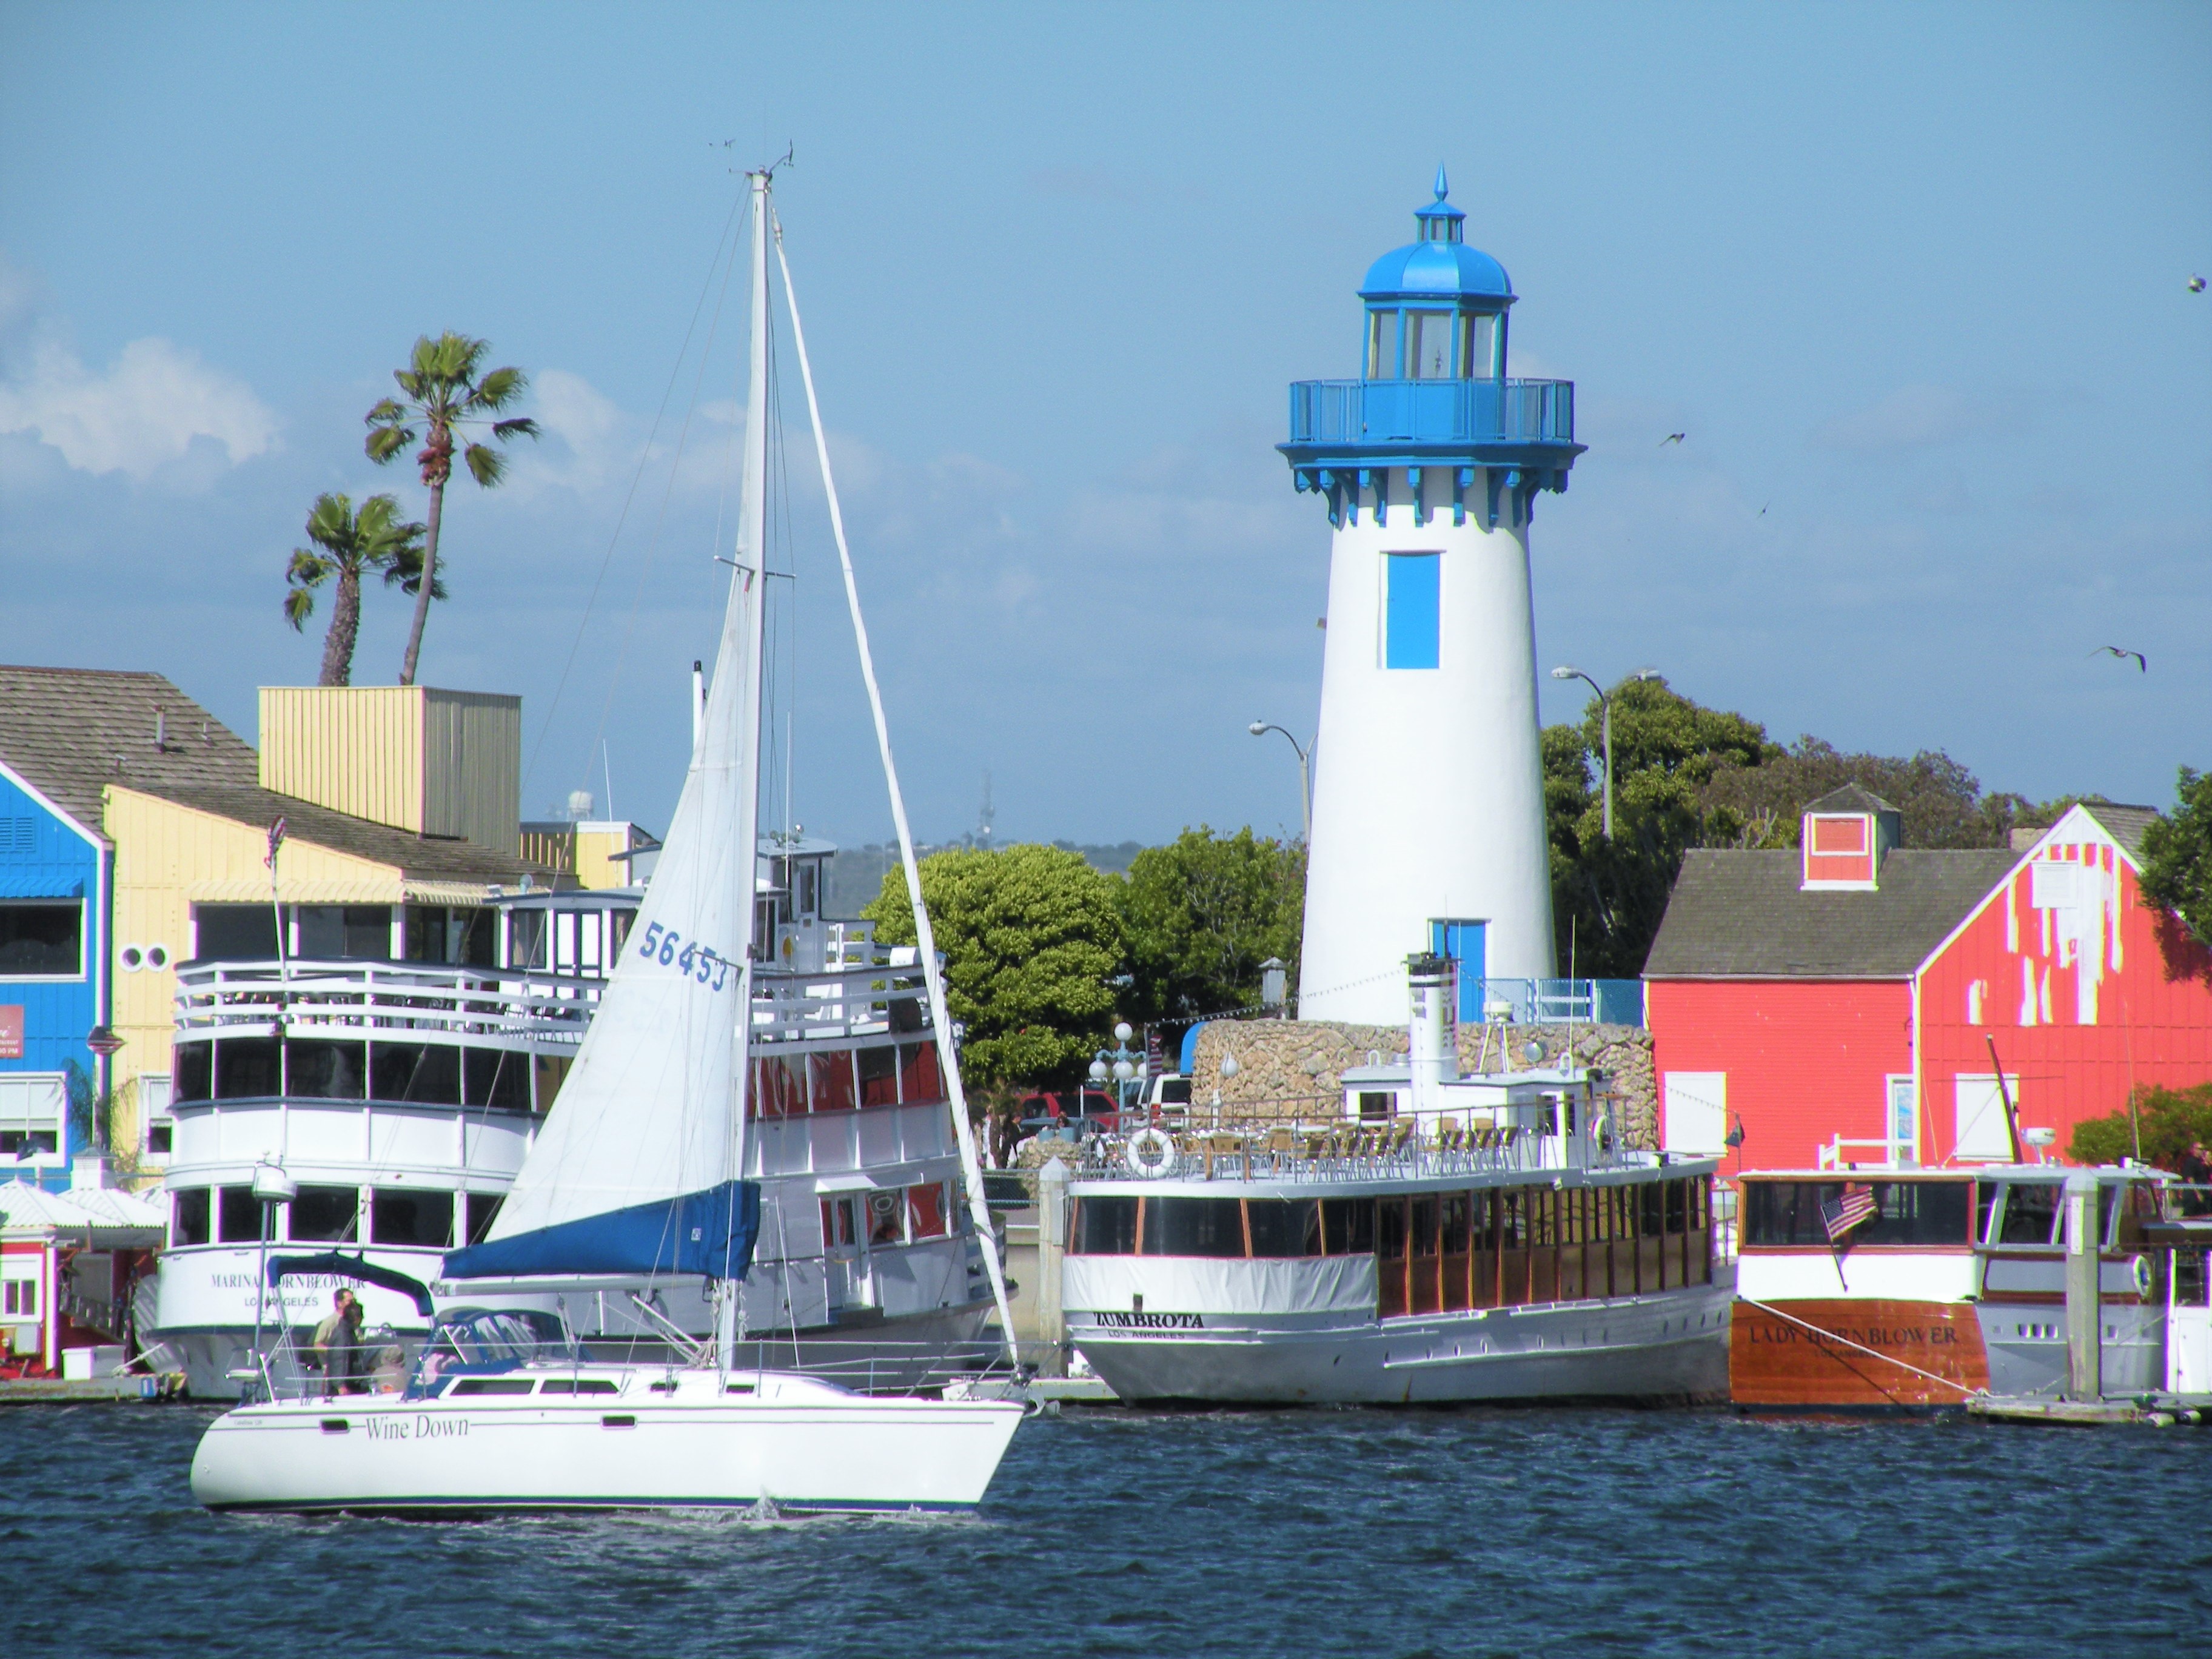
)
(1114, 1533)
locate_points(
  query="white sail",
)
(653, 1107)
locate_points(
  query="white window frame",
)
(1979, 1133)
(1691, 1104)
(1903, 1149)
(83, 944)
(18, 1109)
(157, 1094)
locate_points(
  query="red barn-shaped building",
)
(1839, 1004)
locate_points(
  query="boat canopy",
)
(710, 1233)
(353, 1266)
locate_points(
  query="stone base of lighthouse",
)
(1428, 779)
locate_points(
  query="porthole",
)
(133, 958)
(157, 957)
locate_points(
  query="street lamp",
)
(1259, 729)
(1568, 671)
(1120, 1062)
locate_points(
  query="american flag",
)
(1840, 1214)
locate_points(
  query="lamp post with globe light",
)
(1568, 671)
(1121, 1063)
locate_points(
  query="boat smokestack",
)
(1432, 1035)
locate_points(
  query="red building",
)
(1840, 1003)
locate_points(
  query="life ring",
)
(2144, 1278)
(1151, 1152)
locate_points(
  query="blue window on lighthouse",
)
(1412, 611)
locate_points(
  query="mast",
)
(751, 568)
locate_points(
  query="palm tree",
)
(445, 393)
(375, 539)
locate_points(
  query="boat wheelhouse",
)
(1921, 1288)
(867, 1267)
(396, 1094)
(1484, 1238)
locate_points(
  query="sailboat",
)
(639, 1171)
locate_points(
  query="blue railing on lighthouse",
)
(1432, 411)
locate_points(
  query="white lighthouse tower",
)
(1428, 810)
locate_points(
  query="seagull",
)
(1672, 438)
(2197, 285)
(1762, 510)
(2141, 666)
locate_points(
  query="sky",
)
(1911, 280)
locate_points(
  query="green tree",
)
(1608, 897)
(1031, 940)
(2171, 1123)
(444, 395)
(351, 544)
(2178, 856)
(1201, 914)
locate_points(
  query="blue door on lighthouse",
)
(1462, 941)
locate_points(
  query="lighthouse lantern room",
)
(1428, 811)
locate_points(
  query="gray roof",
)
(2125, 825)
(1740, 915)
(1850, 797)
(70, 732)
(417, 857)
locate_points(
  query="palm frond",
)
(309, 569)
(299, 605)
(387, 443)
(486, 464)
(498, 389)
(406, 575)
(521, 426)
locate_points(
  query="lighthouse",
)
(1428, 795)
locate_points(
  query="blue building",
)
(54, 910)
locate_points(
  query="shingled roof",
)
(417, 857)
(69, 732)
(2125, 825)
(1740, 915)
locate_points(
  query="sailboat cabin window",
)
(2031, 1213)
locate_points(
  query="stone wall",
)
(1298, 1064)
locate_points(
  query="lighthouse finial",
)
(1444, 186)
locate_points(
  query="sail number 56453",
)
(669, 948)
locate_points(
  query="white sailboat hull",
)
(803, 1449)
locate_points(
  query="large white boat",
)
(397, 1096)
(1444, 1239)
(637, 1175)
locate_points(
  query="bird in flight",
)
(2197, 285)
(2141, 667)
(1672, 438)
(1762, 510)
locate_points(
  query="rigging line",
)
(606, 562)
(660, 518)
(925, 936)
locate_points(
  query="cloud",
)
(1922, 417)
(155, 405)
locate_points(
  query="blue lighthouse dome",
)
(1440, 265)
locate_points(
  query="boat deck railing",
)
(520, 1005)
(533, 1007)
(1346, 1150)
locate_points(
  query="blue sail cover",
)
(710, 1233)
(351, 1266)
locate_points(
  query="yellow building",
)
(399, 813)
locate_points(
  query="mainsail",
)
(634, 1170)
